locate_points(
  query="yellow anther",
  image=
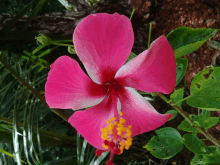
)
(110, 120)
(109, 127)
(122, 121)
(118, 133)
(128, 133)
(130, 139)
(127, 147)
(104, 137)
(105, 146)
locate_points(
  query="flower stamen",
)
(116, 136)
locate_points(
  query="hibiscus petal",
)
(154, 70)
(68, 86)
(89, 122)
(139, 113)
(103, 43)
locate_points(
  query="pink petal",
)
(103, 43)
(139, 113)
(154, 70)
(68, 86)
(88, 123)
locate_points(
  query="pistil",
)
(116, 137)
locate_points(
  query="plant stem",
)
(60, 44)
(206, 134)
(62, 40)
(33, 91)
(132, 14)
(150, 27)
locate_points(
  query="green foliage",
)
(177, 96)
(194, 144)
(205, 90)
(9, 154)
(167, 144)
(173, 112)
(207, 159)
(19, 104)
(185, 40)
(181, 66)
(203, 120)
(13, 7)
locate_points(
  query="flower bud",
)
(44, 39)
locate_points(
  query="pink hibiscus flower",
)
(103, 43)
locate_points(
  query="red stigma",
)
(117, 151)
(98, 152)
(111, 144)
(106, 142)
(110, 163)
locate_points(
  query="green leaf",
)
(177, 96)
(204, 121)
(194, 144)
(210, 122)
(38, 49)
(185, 40)
(167, 144)
(181, 66)
(78, 148)
(9, 154)
(132, 55)
(208, 159)
(205, 90)
(186, 126)
(174, 112)
(47, 51)
(82, 157)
